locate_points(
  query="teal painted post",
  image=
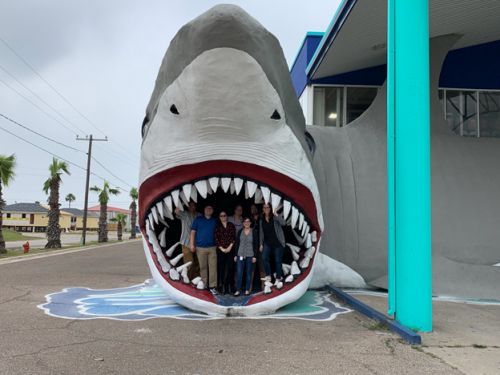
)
(391, 233)
(409, 177)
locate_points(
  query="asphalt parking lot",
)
(32, 342)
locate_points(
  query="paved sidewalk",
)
(466, 336)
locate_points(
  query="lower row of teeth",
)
(177, 198)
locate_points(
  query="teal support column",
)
(408, 162)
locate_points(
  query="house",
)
(77, 219)
(112, 211)
(31, 217)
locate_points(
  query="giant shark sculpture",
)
(224, 124)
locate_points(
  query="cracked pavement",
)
(34, 343)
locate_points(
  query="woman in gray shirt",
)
(246, 246)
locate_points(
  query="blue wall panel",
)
(306, 52)
(476, 67)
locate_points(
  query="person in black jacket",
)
(246, 247)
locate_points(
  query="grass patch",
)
(11, 235)
(478, 346)
(377, 326)
(19, 251)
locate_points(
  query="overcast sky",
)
(103, 58)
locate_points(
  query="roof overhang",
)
(357, 36)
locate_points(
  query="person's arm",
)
(279, 219)
(192, 236)
(261, 236)
(192, 244)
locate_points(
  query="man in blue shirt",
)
(202, 242)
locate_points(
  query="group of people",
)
(215, 246)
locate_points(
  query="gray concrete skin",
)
(350, 167)
(34, 343)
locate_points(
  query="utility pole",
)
(90, 139)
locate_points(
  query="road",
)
(34, 343)
(66, 239)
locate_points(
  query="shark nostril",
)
(174, 109)
(276, 115)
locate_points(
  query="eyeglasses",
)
(267, 207)
(247, 222)
(222, 215)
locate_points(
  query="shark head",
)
(224, 125)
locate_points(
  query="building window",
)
(339, 106)
(23, 216)
(472, 113)
(8, 216)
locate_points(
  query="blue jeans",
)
(247, 265)
(277, 253)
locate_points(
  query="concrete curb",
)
(52, 253)
(406, 334)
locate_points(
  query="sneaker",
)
(237, 293)
(247, 292)
(214, 291)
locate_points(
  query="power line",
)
(59, 157)
(41, 148)
(58, 93)
(50, 85)
(41, 99)
(41, 135)
(37, 106)
(111, 173)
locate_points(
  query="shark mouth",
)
(224, 180)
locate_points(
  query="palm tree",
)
(56, 169)
(70, 198)
(133, 211)
(120, 219)
(7, 165)
(104, 194)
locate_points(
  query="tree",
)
(70, 198)
(7, 165)
(133, 211)
(56, 169)
(104, 194)
(120, 219)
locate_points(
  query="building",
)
(31, 217)
(112, 211)
(34, 217)
(340, 77)
(337, 74)
(77, 219)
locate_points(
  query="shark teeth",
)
(251, 186)
(162, 220)
(176, 260)
(289, 279)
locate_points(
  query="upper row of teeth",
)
(176, 273)
(177, 198)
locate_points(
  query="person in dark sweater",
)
(272, 241)
(246, 247)
(225, 234)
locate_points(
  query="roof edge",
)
(308, 34)
(335, 25)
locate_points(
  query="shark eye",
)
(144, 125)
(174, 110)
(310, 142)
(276, 115)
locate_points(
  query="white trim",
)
(477, 114)
(335, 85)
(344, 109)
(468, 89)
